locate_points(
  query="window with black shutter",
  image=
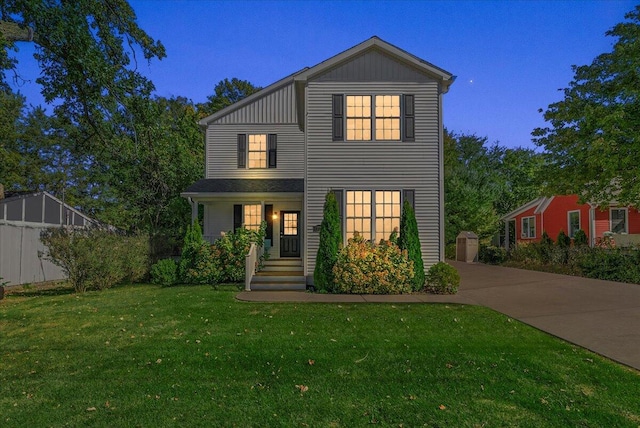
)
(242, 151)
(237, 217)
(272, 150)
(338, 117)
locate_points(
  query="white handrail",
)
(250, 266)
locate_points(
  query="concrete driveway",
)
(602, 316)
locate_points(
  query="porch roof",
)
(244, 185)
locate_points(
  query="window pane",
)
(388, 117)
(252, 216)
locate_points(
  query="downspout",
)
(592, 225)
(441, 174)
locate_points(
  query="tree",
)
(329, 245)
(593, 141)
(85, 50)
(227, 92)
(410, 240)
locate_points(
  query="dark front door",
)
(289, 234)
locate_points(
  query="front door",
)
(289, 234)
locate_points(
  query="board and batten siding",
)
(371, 165)
(278, 106)
(222, 151)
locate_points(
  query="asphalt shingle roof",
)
(241, 185)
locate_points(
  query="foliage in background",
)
(366, 268)
(225, 93)
(442, 278)
(592, 143)
(95, 259)
(196, 265)
(409, 240)
(492, 255)
(329, 245)
(482, 183)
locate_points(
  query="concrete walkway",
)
(602, 316)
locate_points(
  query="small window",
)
(619, 220)
(528, 227)
(252, 216)
(358, 117)
(257, 150)
(574, 223)
(388, 117)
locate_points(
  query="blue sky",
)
(510, 57)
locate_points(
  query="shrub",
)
(230, 252)
(164, 272)
(329, 245)
(563, 241)
(95, 259)
(450, 251)
(580, 238)
(612, 264)
(196, 264)
(544, 247)
(365, 268)
(442, 278)
(410, 241)
(492, 255)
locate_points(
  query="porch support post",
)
(194, 211)
(592, 226)
(506, 235)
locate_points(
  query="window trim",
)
(571, 235)
(626, 218)
(372, 218)
(407, 116)
(528, 234)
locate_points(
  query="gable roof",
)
(539, 203)
(301, 77)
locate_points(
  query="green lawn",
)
(192, 356)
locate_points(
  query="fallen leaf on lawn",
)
(449, 365)
(302, 388)
(311, 362)
(91, 409)
(107, 404)
(158, 361)
(442, 407)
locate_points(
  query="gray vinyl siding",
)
(367, 165)
(221, 156)
(373, 66)
(277, 107)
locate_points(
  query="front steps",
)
(280, 274)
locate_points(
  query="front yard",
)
(192, 356)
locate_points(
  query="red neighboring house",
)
(555, 213)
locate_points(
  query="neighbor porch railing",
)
(251, 264)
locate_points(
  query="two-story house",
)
(366, 123)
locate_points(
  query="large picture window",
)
(257, 150)
(528, 227)
(252, 216)
(619, 220)
(373, 218)
(358, 117)
(387, 117)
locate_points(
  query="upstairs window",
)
(388, 117)
(257, 151)
(358, 117)
(373, 117)
(528, 227)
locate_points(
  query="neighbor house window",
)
(574, 223)
(387, 213)
(528, 227)
(358, 117)
(618, 220)
(252, 216)
(387, 117)
(257, 150)
(375, 217)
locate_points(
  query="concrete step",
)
(283, 262)
(282, 268)
(281, 286)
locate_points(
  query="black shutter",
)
(237, 217)
(338, 117)
(409, 118)
(271, 150)
(409, 195)
(242, 150)
(339, 194)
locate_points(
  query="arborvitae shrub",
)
(410, 241)
(329, 245)
(580, 238)
(563, 241)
